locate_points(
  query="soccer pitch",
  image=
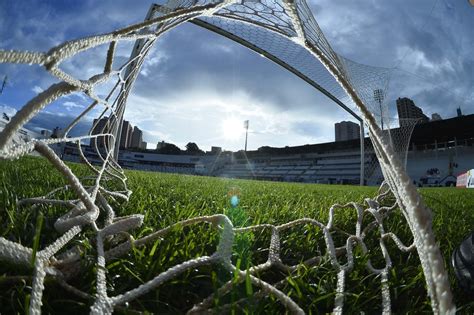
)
(165, 199)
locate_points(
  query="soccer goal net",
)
(287, 33)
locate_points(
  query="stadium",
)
(325, 189)
(445, 146)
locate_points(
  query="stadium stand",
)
(446, 146)
(438, 152)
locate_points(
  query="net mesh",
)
(398, 138)
(286, 31)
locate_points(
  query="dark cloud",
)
(230, 67)
(48, 120)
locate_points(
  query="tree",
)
(169, 148)
(192, 148)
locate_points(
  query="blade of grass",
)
(36, 240)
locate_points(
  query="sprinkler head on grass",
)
(234, 201)
(234, 194)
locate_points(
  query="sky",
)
(197, 86)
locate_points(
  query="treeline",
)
(172, 149)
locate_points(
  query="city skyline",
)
(195, 80)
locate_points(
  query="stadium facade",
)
(438, 151)
(407, 110)
(346, 130)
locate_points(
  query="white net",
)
(399, 140)
(287, 33)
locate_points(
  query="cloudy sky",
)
(195, 84)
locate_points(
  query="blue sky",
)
(194, 81)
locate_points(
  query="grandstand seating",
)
(448, 149)
(340, 167)
(448, 162)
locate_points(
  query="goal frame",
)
(138, 46)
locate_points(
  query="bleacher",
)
(341, 167)
(237, 170)
(446, 146)
(447, 163)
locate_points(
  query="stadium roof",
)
(440, 131)
(459, 128)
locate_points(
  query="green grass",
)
(165, 199)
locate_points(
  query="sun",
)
(232, 128)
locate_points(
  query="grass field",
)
(165, 199)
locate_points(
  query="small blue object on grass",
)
(234, 201)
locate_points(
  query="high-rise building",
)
(100, 126)
(458, 110)
(129, 137)
(143, 145)
(408, 110)
(56, 133)
(347, 130)
(126, 135)
(46, 133)
(216, 150)
(435, 117)
(137, 136)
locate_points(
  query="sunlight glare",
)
(232, 128)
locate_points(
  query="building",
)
(216, 150)
(435, 117)
(459, 112)
(126, 135)
(99, 126)
(45, 133)
(102, 126)
(143, 145)
(129, 139)
(137, 138)
(56, 133)
(407, 110)
(347, 130)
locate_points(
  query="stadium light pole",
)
(246, 126)
(378, 96)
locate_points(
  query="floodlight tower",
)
(379, 97)
(246, 126)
